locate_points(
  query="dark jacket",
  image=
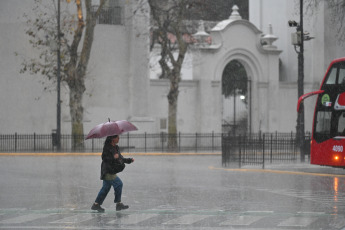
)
(109, 163)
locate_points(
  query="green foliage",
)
(43, 37)
(42, 33)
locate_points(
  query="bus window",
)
(341, 124)
(331, 79)
(323, 122)
(341, 78)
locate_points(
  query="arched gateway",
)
(237, 39)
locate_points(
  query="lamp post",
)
(298, 39)
(300, 116)
(58, 109)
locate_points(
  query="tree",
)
(337, 10)
(168, 20)
(216, 10)
(76, 31)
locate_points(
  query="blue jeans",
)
(117, 185)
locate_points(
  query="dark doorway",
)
(236, 99)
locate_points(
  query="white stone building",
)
(121, 84)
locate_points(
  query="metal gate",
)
(236, 112)
(259, 149)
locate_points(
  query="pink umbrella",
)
(111, 128)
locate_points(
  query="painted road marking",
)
(133, 219)
(25, 218)
(187, 219)
(239, 219)
(297, 222)
(75, 219)
(242, 220)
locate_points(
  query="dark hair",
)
(109, 139)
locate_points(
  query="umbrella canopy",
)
(111, 128)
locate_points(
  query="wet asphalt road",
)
(169, 192)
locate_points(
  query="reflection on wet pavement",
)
(168, 192)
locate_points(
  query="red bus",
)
(328, 133)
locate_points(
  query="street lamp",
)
(298, 39)
(58, 110)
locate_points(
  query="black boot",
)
(120, 206)
(97, 207)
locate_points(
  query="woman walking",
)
(112, 163)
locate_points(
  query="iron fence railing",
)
(251, 149)
(261, 149)
(129, 142)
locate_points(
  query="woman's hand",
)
(116, 155)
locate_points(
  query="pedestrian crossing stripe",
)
(297, 222)
(242, 220)
(299, 219)
(187, 219)
(24, 218)
(133, 218)
(75, 219)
